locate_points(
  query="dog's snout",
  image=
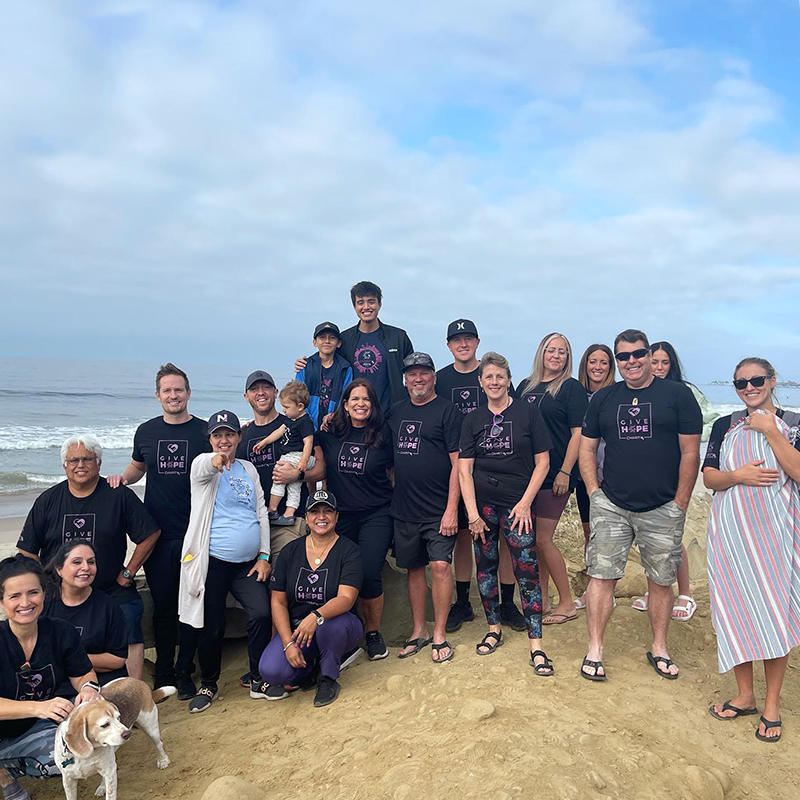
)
(126, 735)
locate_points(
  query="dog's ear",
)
(77, 736)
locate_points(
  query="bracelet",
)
(473, 521)
(91, 685)
(564, 472)
(263, 556)
(290, 643)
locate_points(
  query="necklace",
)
(318, 559)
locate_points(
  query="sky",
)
(203, 181)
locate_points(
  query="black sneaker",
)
(186, 688)
(510, 615)
(327, 691)
(310, 681)
(203, 699)
(459, 614)
(268, 691)
(350, 656)
(376, 647)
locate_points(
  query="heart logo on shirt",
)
(634, 412)
(79, 523)
(172, 447)
(465, 394)
(410, 428)
(354, 449)
(313, 578)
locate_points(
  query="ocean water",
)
(45, 401)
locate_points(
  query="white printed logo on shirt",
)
(352, 458)
(500, 445)
(465, 398)
(266, 458)
(173, 456)
(242, 490)
(408, 437)
(36, 684)
(634, 421)
(78, 526)
(535, 397)
(310, 586)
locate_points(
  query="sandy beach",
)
(487, 727)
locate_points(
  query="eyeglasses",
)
(640, 353)
(75, 460)
(497, 426)
(757, 382)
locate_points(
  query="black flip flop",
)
(417, 644)
(656, 660)
(438, 648)
(769, 723)
(597, 665)
(537, 668)
(739, 712)
(498, 637)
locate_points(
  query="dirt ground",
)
(486, 727)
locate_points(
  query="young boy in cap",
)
(326, 373)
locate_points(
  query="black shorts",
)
(416, 544)
(463, 517)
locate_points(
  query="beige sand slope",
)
(484, 727)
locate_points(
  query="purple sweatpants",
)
(333, 638)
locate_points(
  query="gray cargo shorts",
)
(658, 534)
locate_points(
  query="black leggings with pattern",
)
(522, 547)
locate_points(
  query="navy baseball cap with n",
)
(417, 359)
(223, 419)
(327, 327)
(461, 326)
(255, 377)
(321, 498)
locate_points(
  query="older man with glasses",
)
(652, 429)
(84, 506)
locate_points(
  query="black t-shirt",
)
(103, 518)
(296, 431)
(640, 428)
(168, 451)
(307, 588)
(268, 457)
(423, 437)
(463, 389)
(369, 361)
(100, 626)
(561, 413)
(718, 433)
(356, 474)
(504, 463)
(325, 389)
(57, 656)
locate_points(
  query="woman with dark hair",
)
(562, 402)
(753, 467)
(356, 449)
(596, 370)
(93, 614)
(667, 365)
(43, 666)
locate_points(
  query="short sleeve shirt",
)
(640, 428)
(167, 452)
(310, 587)
(106, 519)
(370, 362)
(356, 474)
(265, 461)
(504, 451)
(296, 431)
(423, 438)
(561, 413)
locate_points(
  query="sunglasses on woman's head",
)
(756, 382)
(640, 353)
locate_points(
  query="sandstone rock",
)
(229, 787)
(396, 684)
(702, 784)
(477, 710)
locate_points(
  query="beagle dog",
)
(87, 740)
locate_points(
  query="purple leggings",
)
(333, 638)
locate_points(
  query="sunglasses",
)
(756, 382)
(640, 353)
(497, 426)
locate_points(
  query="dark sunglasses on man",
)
(637, 354)
(757, 382)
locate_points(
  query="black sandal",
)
(667, 662)
(442, 646)
(547, 665)
(738, 712)
(498, 637)
(769, 723)
(597, 666)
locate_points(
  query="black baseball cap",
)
(319, 498)
(417, 359)
(223, 419)
(258, 375)
(327, 327)
(459, 326)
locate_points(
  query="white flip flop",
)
(689, 608)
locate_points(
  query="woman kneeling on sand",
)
(753, 465)
(314, 586)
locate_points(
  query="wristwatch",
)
(127, 574)
(320, 618)
(301, 474)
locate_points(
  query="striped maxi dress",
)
(753, 552)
